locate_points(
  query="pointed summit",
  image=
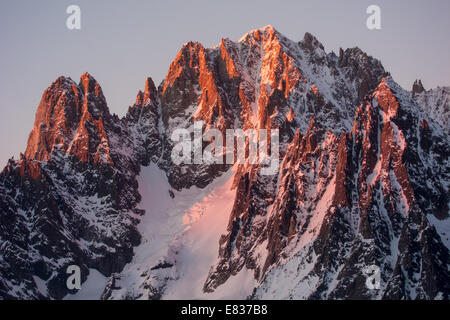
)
(417, 87)
(150, 93)
(88, 82)
(87, 75)
(94, 101)
(139, 98)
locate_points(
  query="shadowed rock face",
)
(362, 168)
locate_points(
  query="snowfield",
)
(184, 230)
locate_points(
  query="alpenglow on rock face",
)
(363, 181)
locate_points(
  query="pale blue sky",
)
(122, 42)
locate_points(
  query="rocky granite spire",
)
(417, 87)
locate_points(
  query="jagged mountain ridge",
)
(262, 81)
